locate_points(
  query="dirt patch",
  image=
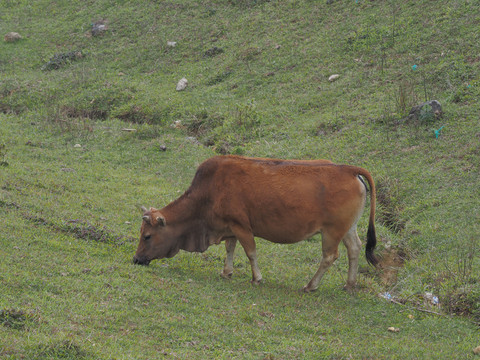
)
(391, 261)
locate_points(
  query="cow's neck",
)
(185, 214)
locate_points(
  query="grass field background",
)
(72, 177)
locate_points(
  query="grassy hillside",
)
(71, 177)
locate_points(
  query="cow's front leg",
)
(228, 267)
(247, 240)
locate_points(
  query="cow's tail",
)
(371, 237)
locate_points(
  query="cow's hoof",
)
(256, 282)
(350, 289)
(226, 275)
(307, 289)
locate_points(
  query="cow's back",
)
(280, 200)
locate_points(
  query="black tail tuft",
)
(371, 243)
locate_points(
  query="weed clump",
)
(388, 199)
(219, 78)
(214, 51)
(3, 154)
(464, 300)
(60, 350)
(14, 319)
(61, 59)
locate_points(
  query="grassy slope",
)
(70, 219)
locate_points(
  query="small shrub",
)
(463, 300)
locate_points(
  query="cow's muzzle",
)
(140, 260)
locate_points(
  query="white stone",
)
(12, 36)
(182, 84)
(171, 43)
(333, 77)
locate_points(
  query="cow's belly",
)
(287, 232)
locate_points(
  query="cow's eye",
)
(147, 237)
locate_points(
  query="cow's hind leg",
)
(329, 255)
(353, 245)
(247, 240)
(228, 267)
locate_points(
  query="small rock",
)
(333, 77)
(393, 329)
(163, 148)
(182, 84)
(77, 146)
(277, 47)
(171, 43)
(127, 222)
(431, 108)
(12, 37)
(411, 317)
(476, 351)
(99, 27)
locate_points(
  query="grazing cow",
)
(284, 201)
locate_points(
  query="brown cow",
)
(283, 201)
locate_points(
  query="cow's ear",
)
(161, 220)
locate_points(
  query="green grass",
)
(70, 217)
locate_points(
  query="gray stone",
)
(428, 109)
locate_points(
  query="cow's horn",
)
(146, 218)
(143, 208)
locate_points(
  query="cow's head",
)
(157, 240)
